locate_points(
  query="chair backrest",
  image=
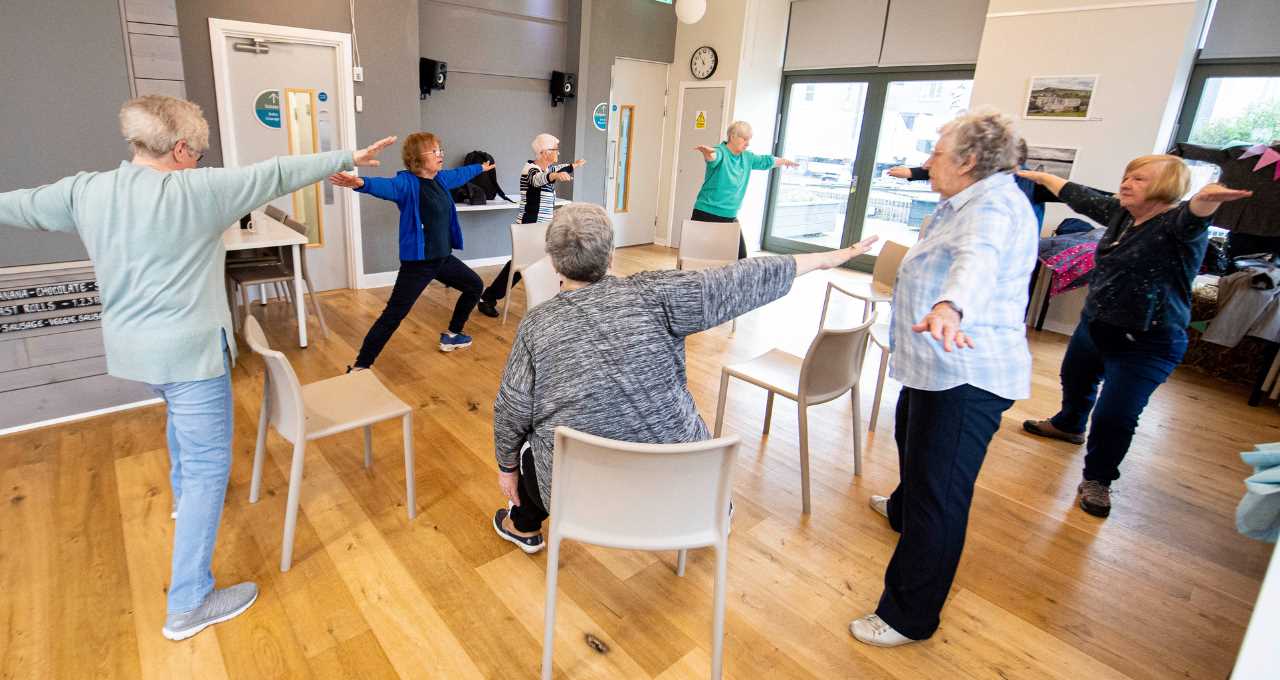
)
(541, 282)
(885, 272)
(275, 213)
(710, 241)
(528, 244)
(301, 229)
(283, 393)
(641, 496)
(834, 362)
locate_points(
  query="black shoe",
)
(529, 544)
(489, 309)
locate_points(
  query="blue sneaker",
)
(452, 341)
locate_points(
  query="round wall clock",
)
(703, 62)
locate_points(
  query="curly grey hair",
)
(989, 137)
(154, 124)
(580, 242)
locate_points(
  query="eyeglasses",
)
(191, 150)
(437, 152)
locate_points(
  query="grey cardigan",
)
(608, 359)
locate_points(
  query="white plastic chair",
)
(705, 245)
(879, 336)
(640, 497)
(828, 370)
(528, 245)
(301, 413)
(541, 283)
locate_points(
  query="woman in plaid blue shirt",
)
(959, 348)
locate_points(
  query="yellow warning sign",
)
(700, 121)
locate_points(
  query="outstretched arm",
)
(47, 208)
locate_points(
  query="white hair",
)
(580, 242)
(154, 124)
(545, 142)
(989, 137)
(738, 128)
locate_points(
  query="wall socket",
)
(357, 74)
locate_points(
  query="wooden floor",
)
(1162, 589)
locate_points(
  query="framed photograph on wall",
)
(1055, 160)
(1060, 97)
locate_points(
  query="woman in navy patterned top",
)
(1132, 332)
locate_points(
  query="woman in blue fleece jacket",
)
(429, 233)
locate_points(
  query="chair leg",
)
(291, 506)
(681, 558)
(717, 616)
(768, 412)
(368, 446)
(733, 327)
(244, 299)
(262, 294)
(875, 402)
(231, 305)
(506, 302)
(803, 414)
(259, 452)
(411, 499)
(315, 306)
(724, 396)
(549, 621)
(855, 396)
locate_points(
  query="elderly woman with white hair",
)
(724, 183)
(959, 348)
(153, 228)
(538, 182)
(606, 355)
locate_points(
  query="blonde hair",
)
(154, 124)
(1172, 179)
(414, 145)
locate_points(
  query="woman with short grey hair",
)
(153, 228)
(958, 346)
(606, 355)
(724, 184)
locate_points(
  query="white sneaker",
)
(880, 504)
(872, 630)
(218, 606)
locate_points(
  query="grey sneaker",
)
(1095, 498)
(219, 606)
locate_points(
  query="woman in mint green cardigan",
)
(153, 228)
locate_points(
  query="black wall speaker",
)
(563, 86)
(432, 75)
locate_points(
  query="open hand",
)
(1034, 175)
(368, 155)
(943, 323)
(487, 166)
(345, 180)
(509, 482)
(901, 172)
(1217, 193)
(787, 163)
(579, 163)
(560, 177)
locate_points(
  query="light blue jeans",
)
(199, 432)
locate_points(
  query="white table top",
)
(498, 204)
(266, 233)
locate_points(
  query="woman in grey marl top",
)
(606, 355)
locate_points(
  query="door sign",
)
(266, 108)
(601, 116)
(700, 120)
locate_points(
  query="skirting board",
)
(384, 279)
(79, 416)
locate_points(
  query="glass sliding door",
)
(846, 130)
(822, 132)
(913, 112)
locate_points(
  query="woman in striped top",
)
(537, 203)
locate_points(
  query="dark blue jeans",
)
(1130, 365)
(942, 440)
(411, 280)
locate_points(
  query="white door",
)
(636, 120)
(285, 100)
(701, 122)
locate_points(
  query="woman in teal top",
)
(729, 167)
(153, 228)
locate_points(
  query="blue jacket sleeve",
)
(381, 187)
(456, 177)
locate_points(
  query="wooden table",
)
(269, 233)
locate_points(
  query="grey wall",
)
(388, 51)
(612, 29)
(497, 97)
(62, 63)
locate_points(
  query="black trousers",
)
(942, 440)
(498, 289)
(703, 216)
(530, 514)
(412, 279)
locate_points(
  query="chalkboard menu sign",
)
(40, 300)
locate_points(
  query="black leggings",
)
(530, 514)
(412, 279)
(703, 216)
